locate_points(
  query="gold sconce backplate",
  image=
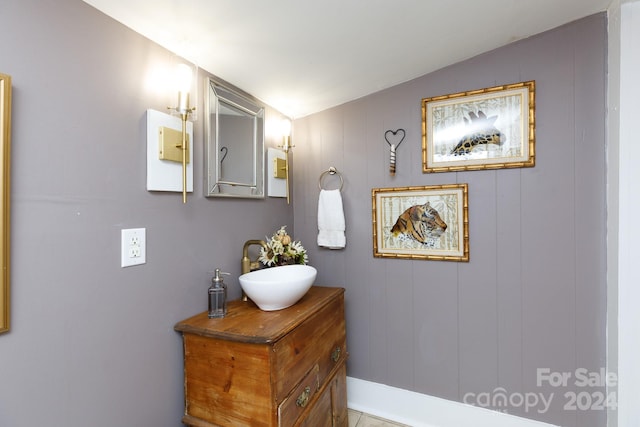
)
(279, 168)
(170, 144)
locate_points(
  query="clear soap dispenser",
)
(217, 296)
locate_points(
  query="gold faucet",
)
(247, 264)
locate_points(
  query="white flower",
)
(282, 250)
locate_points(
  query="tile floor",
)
(359, 419)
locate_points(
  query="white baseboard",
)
(421, 410)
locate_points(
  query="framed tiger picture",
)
(428, 222)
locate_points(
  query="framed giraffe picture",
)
(490, 128)
(427, 222)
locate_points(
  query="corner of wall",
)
(613, 188)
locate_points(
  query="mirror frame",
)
(5, 173)
(217, 94)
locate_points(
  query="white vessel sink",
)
(280, 287)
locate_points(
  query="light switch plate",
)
(133, 247)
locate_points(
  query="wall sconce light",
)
(286, 147)
(183, 80)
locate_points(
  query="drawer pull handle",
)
(335, 355)
(303, 399)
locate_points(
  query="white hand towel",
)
(331, 224)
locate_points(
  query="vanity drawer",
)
(321, 340)
(293, 406)
(320, 415)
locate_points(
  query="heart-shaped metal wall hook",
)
(395, 137)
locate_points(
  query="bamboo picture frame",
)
(490, 128)
(427, 222)
(5, 188)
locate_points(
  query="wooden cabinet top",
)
(245, 322)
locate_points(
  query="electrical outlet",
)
(133, 247)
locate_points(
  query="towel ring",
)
(330, 171)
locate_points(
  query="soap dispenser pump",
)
(217, 296)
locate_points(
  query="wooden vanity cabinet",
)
(258, 368)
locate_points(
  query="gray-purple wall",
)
(92, 344)
(533, 295)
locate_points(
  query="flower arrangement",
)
(282, 250)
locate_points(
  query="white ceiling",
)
(303, 56)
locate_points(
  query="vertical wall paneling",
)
(532, 295)
(509, 260)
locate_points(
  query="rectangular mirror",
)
(234, 144)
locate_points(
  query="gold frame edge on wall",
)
(5, 172)
(445, 118)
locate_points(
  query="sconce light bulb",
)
(183, 78)
(183, 84)
(183, 102)
(286, 128)
(286, 143)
